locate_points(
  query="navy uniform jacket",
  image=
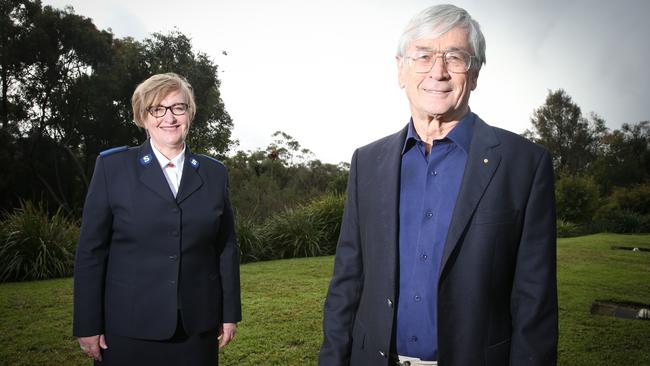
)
(143, 254)
(497, 299)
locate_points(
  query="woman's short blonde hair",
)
(151, 91)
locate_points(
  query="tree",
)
(625, 157)
(45, 53)
(268, 181)
(573, 140)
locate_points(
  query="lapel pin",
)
(485, 161)
(194, 163)
(145, 160)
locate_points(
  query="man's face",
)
(438, 94)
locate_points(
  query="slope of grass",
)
(283, 307)
(588, 270)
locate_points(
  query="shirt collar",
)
(461, 135)
(177, 160)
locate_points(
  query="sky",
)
(324, 71)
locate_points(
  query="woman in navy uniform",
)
(156, 278)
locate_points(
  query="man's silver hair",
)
(440, 19)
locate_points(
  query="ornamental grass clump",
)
(35, 246)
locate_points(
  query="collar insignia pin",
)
(194, 163)
(145, 160)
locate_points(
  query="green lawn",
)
(283, 302)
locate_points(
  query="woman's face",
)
(168, 132)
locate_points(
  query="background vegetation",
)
(283, 300)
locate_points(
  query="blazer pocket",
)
(492, 217)
(498, 354)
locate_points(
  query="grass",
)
(283, 303)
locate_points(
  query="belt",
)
(398, 360)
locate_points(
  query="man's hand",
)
(91, 345)
(226, 333)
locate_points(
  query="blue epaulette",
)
(112, 151)
(211, 158)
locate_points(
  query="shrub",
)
(566, 229)
(305, 231)
(34, 246)
(613, 219)
(249, 241)
(576, 198)
(294, 233)
(634, 199)
(328, 211)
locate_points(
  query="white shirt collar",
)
(177, 160)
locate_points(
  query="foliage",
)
(250, 244)
(635, 199)
(627, 210)
(567, 229)
(305, 231)
(279, 177)
(613, 219)
(328, 211)
(294, 233)
(624, 159)
(283, 303)
(576, 198)
(572, 139)
(34, 246)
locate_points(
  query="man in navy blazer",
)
(446, 254)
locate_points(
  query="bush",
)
(616, 220)
(34, 246)
(328, 211)
(294, 233)
(634, 199)
(576, 198)
(248, 239)
(305, 231)
(566, 229)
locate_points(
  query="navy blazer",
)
(497, 299)
(143, 254)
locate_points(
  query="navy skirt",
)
(180, 350)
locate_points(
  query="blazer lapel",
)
(150, 173)
(387, 180)
(482, 162)
(191, 179)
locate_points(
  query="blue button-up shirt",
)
(428, 190)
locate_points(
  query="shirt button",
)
(417, 298)
(424, 257)
(434, 172)
(413, 339)
(429, 214)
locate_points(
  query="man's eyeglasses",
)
(457, 61)
(177, 109)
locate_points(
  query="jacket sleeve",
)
(90, 261)
(534, 295)
(345, 287)
(229, 263)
